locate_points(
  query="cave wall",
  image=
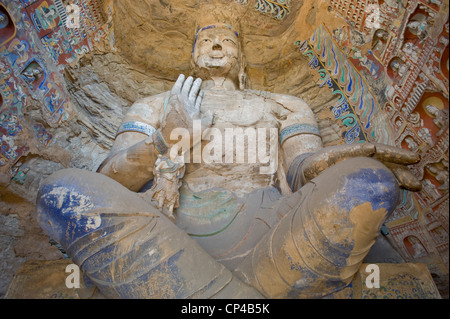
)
(368, 73)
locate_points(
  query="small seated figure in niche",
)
(441, 175)
(430, 189)
(379, 40)
(4, 21)
(419, 28)
(399, 68)
(417, 248)
(31, 74)
(440, 117)
(415, 120)
(412, 145)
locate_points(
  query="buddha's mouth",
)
(216, 61)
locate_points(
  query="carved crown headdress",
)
(217, 14)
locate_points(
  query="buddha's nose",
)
(217, 45)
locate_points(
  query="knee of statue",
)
(59, 202)
(350, 202)
(124, 245)
(357, 190)
(361, 181)
(318, 247)
(70, 203)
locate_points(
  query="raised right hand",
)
(183, 106)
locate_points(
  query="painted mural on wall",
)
(357, 108)
(398, 52)
(35, 45)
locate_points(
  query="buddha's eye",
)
(229, 41)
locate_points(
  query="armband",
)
(296, 129)
(135, 126)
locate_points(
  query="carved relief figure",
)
(430, 189)
(4, 21)
(17, 52)
(439, 234)
(398, 122)
(419, 28)
(7, 26)
(379, 40)
(412, 145)
(33, 74)
(441, 175)
(415, 120)
(168, 174)
(45, 16)
(440, 117)
(411, 51)
(399, 68)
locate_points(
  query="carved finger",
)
(405, 178)
(194, 90)
(198, 101)
(187, 86)
(329, 156)
(392, 154)
(176, 89)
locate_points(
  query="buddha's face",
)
(217, 48)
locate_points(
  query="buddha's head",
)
(217, 51)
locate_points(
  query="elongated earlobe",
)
(242, 76)
(242, 80)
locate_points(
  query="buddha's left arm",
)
(299, 136)
(305, 157)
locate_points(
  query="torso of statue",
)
(234, 110)
(260, 113)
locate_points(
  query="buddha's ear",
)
(243, 77)
(243, 80)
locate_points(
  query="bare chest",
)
(239, 109)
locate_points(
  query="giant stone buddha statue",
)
(273, 215)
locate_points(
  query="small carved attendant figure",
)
(168, 175)
(440, 117)
(419, 28)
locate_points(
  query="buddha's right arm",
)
(135, 150)
(133, 166)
